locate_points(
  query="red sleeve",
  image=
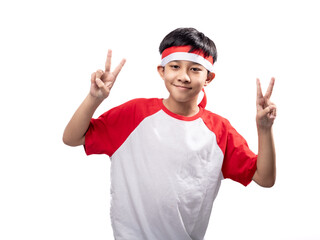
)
(108, 132)
(239, 162)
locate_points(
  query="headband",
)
(183, 53)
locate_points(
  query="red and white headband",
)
(182, 53)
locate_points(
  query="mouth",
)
(181, 86)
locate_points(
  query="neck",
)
(187, 109)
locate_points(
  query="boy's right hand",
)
(102, 81)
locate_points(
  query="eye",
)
(196, 69)
(174, 66)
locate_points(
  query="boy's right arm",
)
(101, 84)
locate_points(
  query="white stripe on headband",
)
(188, 57)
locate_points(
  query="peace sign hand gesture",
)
(266, 110)
(102, 81)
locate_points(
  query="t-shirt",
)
(166, 169)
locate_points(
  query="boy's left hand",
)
(266, 110)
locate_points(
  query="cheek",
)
(200, 82)
(167, 77)
(167, 81)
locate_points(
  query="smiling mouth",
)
(183, 87)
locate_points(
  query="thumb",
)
(102, 86)
(269, 109)
(99, 83)
(266, 110)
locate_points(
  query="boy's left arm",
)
(265, 174)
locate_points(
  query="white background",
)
(48, 51)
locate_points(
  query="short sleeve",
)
(239, 161)
(108, 132)
(103, 132)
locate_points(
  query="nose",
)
(184, 76)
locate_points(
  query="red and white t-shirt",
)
(166, 169)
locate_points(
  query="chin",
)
(182, 99)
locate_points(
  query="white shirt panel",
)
(171, 171)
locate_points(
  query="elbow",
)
(72, 142)
(271, 180)
(66, 140)
(268, 183)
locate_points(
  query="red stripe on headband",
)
(186, 49)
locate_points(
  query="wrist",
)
(264, 130)
(93, 100)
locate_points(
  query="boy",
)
(170, 155)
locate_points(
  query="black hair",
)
(189, 36)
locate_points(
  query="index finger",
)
(108, 61)
(119, 67)
(259, 91)
(270, 88)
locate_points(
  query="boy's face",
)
(184, 80)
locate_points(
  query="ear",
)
(210, 77)
(160, 71)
